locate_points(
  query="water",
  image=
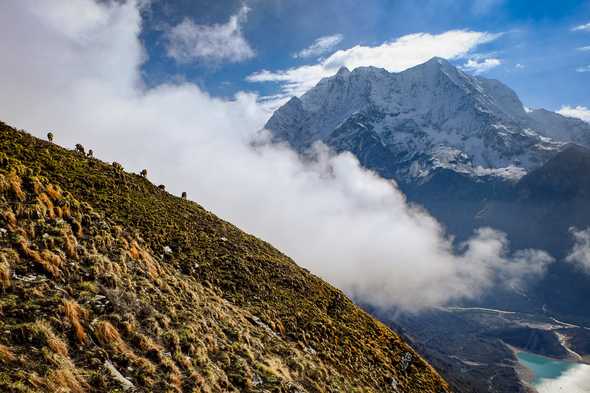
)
(551, 375)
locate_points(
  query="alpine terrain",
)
(468, 150)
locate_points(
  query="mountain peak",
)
(429, 116)
(438, 60)
(343, 71)
(440, 65)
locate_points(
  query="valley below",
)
(481, 349)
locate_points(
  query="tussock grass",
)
(74, 313)
(46, 259)
(6, 354)
(5, 272)
(66, 380)
(56, 344)
(15, 183)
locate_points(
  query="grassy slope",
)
(224, 311)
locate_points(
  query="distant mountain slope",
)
(539, 210)
(107, 281)
(406, 125)
(539, 213)
(561, 128)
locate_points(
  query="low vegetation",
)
(108, 283)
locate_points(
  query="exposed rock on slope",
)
(109, 283)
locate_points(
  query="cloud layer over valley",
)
(75, 69)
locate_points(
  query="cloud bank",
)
(320, 46)
(397, 55)
(580, 254)
(188, 42)
(580, 112)
(80, 78)
(574, 380)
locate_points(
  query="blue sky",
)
(537, 53)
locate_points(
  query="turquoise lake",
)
(542, 367)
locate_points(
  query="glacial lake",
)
(551, 375)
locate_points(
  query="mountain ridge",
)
(430, 116)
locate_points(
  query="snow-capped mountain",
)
(404, 125)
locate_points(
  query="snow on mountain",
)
(558, 127)
(404, 125)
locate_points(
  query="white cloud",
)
(479, 66)
(342, 222)
(396, 55)
(580, 112)
(580, 254)
(584, 48)
(519, 65)
(584, 27)
(188, 42)
(574, 380)
(320, 46)
(583, 69)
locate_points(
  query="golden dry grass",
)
(70, 243)
(74, 313)
(66, 380)
(15, 183)
(107, 334)
(109, 337)
(4, 272)
(53, 191)
(56, 344)
(10, 218)
(6, 354)
(47, 259)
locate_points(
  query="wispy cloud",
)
(584, 27)
(584, 48)
(580, 112)
(396, 55)
(585, 68)
(320, 46)
(479, 66)
(188, 42)
(580, 253)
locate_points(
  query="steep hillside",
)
(109, 283)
